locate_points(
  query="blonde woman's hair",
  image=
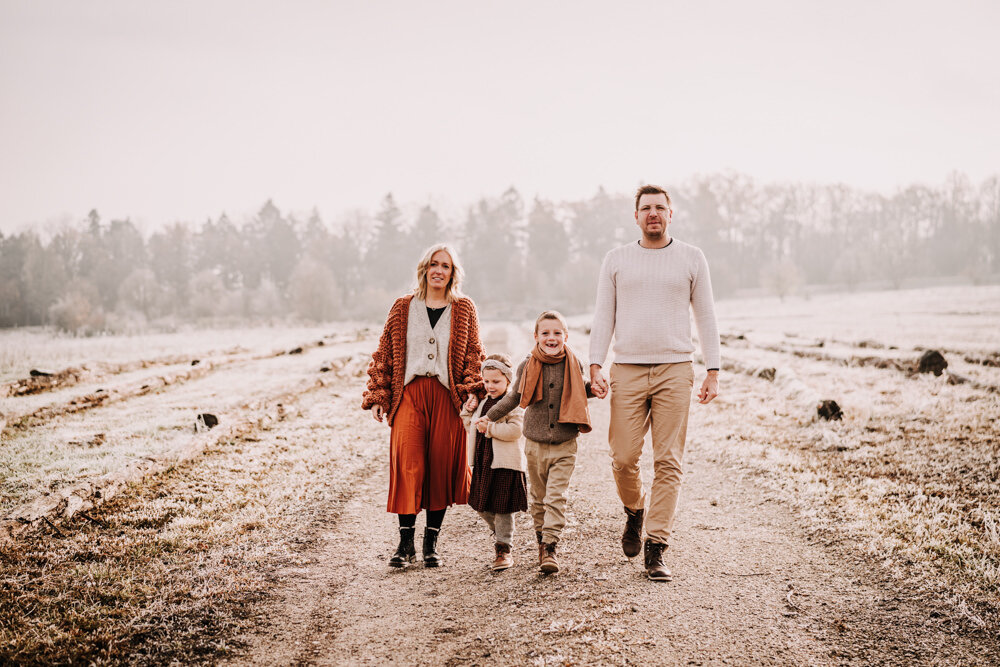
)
(551, 315)
(452, 291)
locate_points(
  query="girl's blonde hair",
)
(452, 291)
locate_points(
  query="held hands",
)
(598, 384)
(709, 388)
(481, 424)
(471, 403)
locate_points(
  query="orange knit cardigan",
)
(388, 366)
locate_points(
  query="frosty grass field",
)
(128, 531)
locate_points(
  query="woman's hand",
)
(481, 424)
(471, 403)
(378, 413)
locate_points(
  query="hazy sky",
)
(165, 111)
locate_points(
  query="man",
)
(644, 295)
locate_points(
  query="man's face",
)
(653, 216)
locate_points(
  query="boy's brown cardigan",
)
(387, 369)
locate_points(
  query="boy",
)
(551, 388)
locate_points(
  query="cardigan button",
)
(552, 385)
(430, 356)
(551, 406)
(431, 341)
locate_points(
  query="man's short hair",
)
(551, 315)
(650, 190)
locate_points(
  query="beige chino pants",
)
(550, 468)
(645, 396)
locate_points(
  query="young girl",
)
(496, 454)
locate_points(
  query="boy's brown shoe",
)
(655, 569)
(632, 537)
(548, 563)
(504, 559)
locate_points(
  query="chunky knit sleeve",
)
(380, 370)
(469, 380)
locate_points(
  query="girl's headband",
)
(500, 366)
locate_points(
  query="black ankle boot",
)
(431, 557)
(405, 552)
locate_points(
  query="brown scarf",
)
(573, 405)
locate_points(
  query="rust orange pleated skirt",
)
(427, 466)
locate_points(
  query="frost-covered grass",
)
(910, 474)
(24, 349)
(964, 318)
(104, 439)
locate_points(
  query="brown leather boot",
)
(504, 559)
(548, 563)
(655, 569)
(632, 537)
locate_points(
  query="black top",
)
(434, 314)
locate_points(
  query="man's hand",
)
(598, 384)
(471, 403)
(378, 413)
(709, 388)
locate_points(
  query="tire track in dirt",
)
(114, 394)
(42, 381)
(750, 587)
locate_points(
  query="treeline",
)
(520, 256)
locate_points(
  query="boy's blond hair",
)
(551, 315)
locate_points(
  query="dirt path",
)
(749, 587)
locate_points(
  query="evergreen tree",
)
(428, 230)
(391, 261)
(171, 261)
(548, 253)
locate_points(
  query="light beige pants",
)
(549, 470)
(645, 396)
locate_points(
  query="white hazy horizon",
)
(179, 111)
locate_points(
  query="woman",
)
(426, 365)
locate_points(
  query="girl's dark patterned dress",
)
(497, 490)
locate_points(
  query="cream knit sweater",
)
(645, 297)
